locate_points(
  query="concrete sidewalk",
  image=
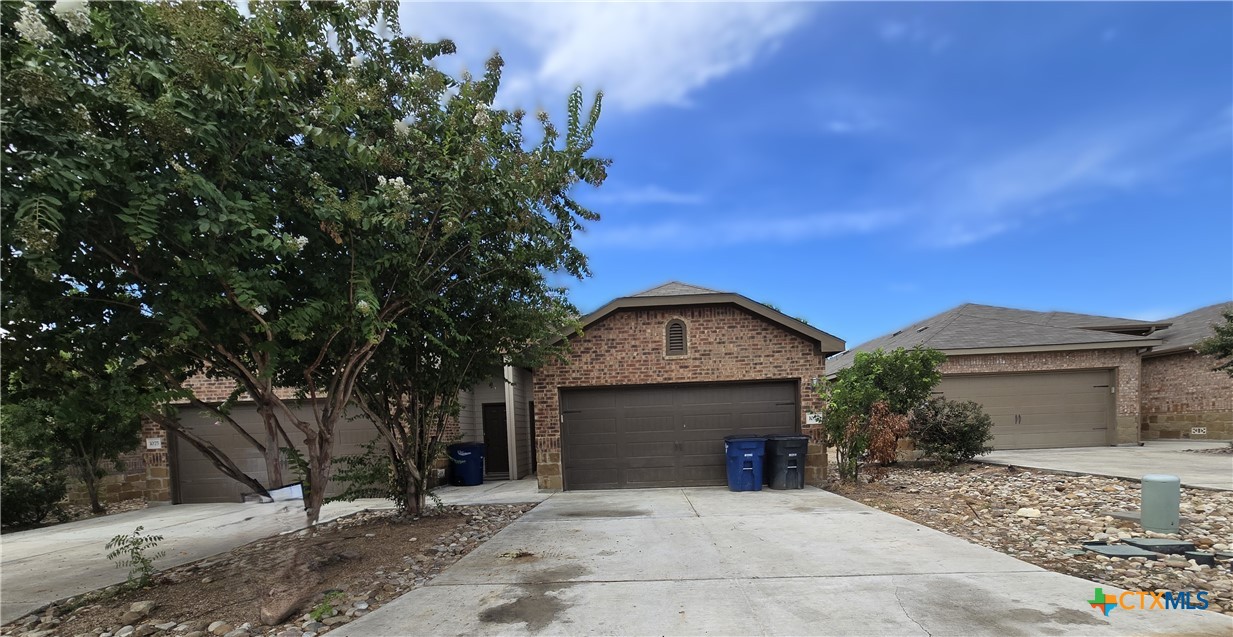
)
(1201, 470)
(45, 565)
(708, 561)
(494, 492)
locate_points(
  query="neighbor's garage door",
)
(198, 481)
(630, 437)
(1034, 411)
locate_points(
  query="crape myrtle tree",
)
(869, 403)
(504, 315)
(1220, 344)
(272, 192)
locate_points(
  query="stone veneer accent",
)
(726, 343)
(1124, 362)
(1181, 391)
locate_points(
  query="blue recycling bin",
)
(745, 454)
(466, 463)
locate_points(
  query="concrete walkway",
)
(1201, 470)
(707, 561)
(494, 492)
(49, 564)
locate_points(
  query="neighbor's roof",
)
(1190, 328)
(976, 329)
(675, 293)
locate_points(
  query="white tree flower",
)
(481, 117)
(363, 307)
(74, 13)
(402, 128)
(30, 26)
(261, 309)
(356, 62)
(298, 242)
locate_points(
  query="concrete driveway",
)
(707, 561)
(1202, 470)
(45, 565)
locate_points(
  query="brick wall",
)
(1180, 391)
(158, 469)
(1124, 361)
(119, 484)
(726, 343)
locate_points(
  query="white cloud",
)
(640, 54)
(982, 195)
(754, 229)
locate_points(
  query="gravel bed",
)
(1044, 518)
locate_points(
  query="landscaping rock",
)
(220, 628)
(313, 627)
(1026, 512)
(336, 620)
(167, 626)
(239, 632)
(144, 630)
(144, 607)
(125, 631)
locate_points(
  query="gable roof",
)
(979, 329)
(1190, 328)
(676, 294)
(676, 288)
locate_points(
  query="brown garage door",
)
(197, 480)
(663, 436)
(1035, 411)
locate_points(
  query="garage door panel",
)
(198, 481)
(668, 435)
(1040, 410)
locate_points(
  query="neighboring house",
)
(1182, 396)
(494, 412)
(650, 388)
(1048, 379)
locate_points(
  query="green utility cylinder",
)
(1162, 494)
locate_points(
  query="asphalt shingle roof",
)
(676, 288)
(1191, 327)
(972, 326)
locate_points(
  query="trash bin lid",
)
(744, 437)
(788, 437)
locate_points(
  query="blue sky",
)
(864, 165)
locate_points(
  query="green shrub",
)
(31, 485)
(129, 551)
(950, 431)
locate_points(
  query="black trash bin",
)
(466, 463)
(785, 461)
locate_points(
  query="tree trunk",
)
(273, 456)
(89, 477)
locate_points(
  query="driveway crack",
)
(691, 504)
(905, 610)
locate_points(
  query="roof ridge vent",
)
(897, 333)
(921, 329)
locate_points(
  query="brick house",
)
(656, 380)
(649, 390)
(1182, 396)
(1059, 379)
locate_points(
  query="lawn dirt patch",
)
(1043, 518)
(318, 580)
